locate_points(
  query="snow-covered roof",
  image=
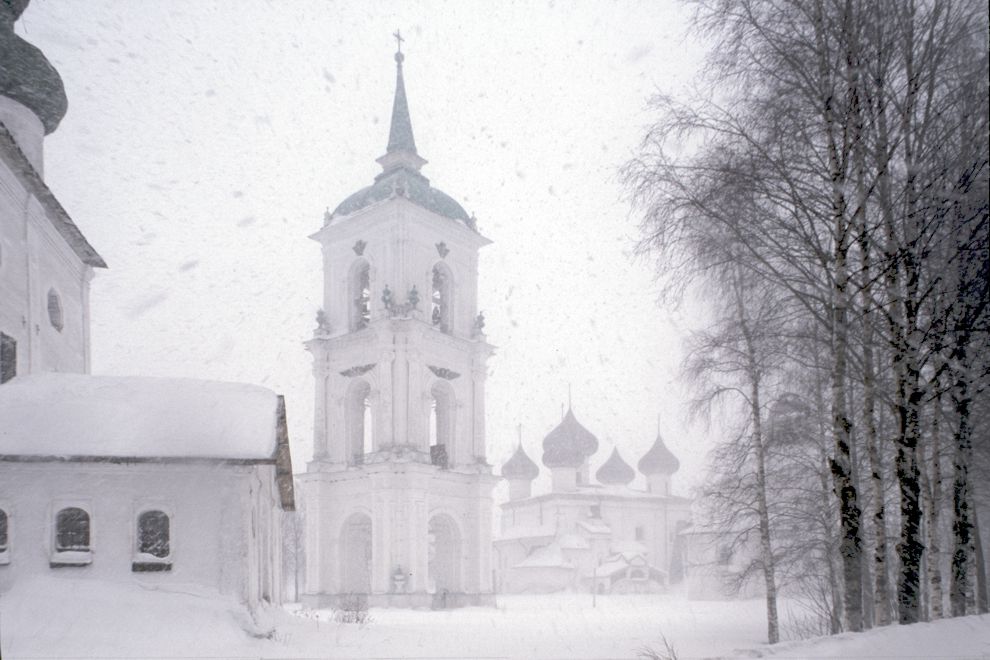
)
(526, 532)
(76, 415)
(14, 158)
(573, 542)
(549, 556)
(597, 527)
(628, 548)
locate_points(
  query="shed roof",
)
(76, 415)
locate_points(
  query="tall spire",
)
(400, 135)
(401, 150)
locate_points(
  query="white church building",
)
(163, 482)
(607, 536)
(398, 494)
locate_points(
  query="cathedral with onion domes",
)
(605, 534)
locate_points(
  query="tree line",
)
(827, 188)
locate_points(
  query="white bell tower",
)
(398, 495)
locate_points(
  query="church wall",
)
(400, 500)
(34, 260)
(401, 246)
(223, 522)
(656, 517)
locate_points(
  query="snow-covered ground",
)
(57, 617)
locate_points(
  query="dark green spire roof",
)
(401, 164)
(659, 459)
(26, 75)
(400, 135)
(569, 443)
(615, 470)
(520, 466)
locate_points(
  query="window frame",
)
(442, 298)
(5, 549)
(56, 316)
(146, 562)
(8, 348)
(360, 308)
(71, 557)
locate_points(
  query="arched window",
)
(55, 310)
(441, 299)
(153, 534)
(441, 424)
(360, 294)
(360, 425)
(4, 538)
(72, 530)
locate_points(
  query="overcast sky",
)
(205, 139)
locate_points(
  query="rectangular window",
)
(72, 530)
(3, 530)
(4, 537)
(640, 534)
(8, 357)
(72, 538)
(596, 510)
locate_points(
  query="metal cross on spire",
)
(398, 39)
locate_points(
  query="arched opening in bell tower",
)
(360, 426)
(441, 299)
(359, 292)
(441, 424)
(355, 554)
(444, 554)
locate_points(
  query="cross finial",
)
(398, 39)
(569, 396)
(519, 431)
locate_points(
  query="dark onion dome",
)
(520, 466)
(26, 75)
(401, 163)
(569, 444)
(615, 470)
(659, 460)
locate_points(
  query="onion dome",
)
(659, 460)
(401, 164)
(568, 444)
(615, 470)
(520, 466)
(26, 75)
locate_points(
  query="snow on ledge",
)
(59, 415)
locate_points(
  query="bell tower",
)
(398, 495)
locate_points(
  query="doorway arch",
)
(355, 554)
(444, 554)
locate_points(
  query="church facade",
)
(581, 536)
(398, 494)
(46, 264)
(159, 482)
